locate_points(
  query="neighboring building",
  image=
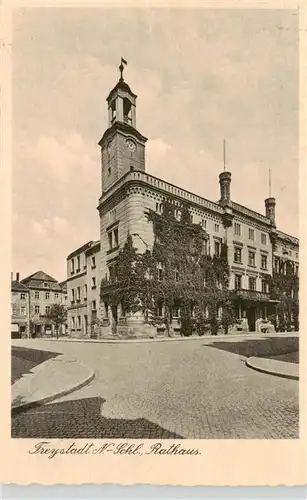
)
(44, 291)
(128, 192)
(20, 300)
(83, 288)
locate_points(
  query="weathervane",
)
(121, 68)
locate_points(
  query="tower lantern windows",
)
(127, 111)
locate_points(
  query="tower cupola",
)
(122, 146)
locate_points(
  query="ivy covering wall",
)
(285, 288)
(178, 274)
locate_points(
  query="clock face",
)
(130, 145)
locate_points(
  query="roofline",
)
(82, 248)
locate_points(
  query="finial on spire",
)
(121, 68)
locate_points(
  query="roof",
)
(94, 248)
(287, 237)
(39, 275)
(79, 250)
(17, 286)
(121, 85)
(37, 280)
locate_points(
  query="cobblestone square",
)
(165, 390)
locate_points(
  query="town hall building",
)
(256, 247)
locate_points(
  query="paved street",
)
(165, 390)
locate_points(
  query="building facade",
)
(20, 302)
(83, 289)
(256, 248)
(41, 291)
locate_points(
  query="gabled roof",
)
(37, 280)
(40, 276)
(16, 286)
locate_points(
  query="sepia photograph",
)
(155, 226)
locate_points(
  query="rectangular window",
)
(72, 266)
(93, 262)
(78, 263)
(23, 296)
(22, 310)
(264, 286)
(47, 309)
(116, 237)
(36, 295)
(85, 292)
(94, 305)
(264, 262)
(238, 255)
(160, 274)
(56, 296)
(238, 281)
(36, 309)
(110, 240)
(252, 283)
(263, 238)
(93, 282)
(73, 323)
(237, 229)
(204, 223)
(78, 294)
(217, 248)
(113, 272)
(176, 275)
(251, 258)
(251, 234)
(216, 228)
(79, 322)
(47, 295)
(73, 295)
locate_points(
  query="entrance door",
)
(114, 319)
(251, 318)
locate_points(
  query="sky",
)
(201, 76)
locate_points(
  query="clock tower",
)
(122, 146)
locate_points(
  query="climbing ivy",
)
(178, 273)
(285, 288)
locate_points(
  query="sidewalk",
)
(274, 367)
(48, 381)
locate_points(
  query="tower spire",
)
(121, 68)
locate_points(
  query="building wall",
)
(82, 292)
(20, 310)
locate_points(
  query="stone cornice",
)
(126, 129)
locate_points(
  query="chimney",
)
(17, 276)
(225, 180)
(270, 209)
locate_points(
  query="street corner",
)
(48, 381)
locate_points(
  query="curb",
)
(250, 363)
(172, 339)
(39, 402)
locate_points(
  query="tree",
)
(58, 315)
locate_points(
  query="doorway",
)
(114, 319)
(251, 318)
